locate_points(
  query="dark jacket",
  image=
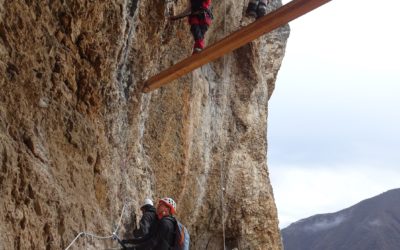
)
(165, 235)
(162, 238)
(147, 223)
(146, 231)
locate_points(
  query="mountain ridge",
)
(371, 224)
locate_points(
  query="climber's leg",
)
(252, 8)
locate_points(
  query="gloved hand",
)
(124, 241)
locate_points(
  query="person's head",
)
(147, 203)
(166, 206)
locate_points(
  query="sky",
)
(334, 119)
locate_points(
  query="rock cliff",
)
(79, 139)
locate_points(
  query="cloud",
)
(376, 223)
(333, 132)
(344, 37)
(301, 191)
(325, 224)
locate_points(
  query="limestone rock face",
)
(79, 141)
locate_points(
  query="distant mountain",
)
(372, 224)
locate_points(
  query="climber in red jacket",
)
(200, 17)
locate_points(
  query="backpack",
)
(182, 237)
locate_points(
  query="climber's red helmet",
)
(169, 203)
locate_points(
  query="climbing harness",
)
(202, 11)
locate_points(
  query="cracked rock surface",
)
(78, 139)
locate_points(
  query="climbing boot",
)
(251, 10)
(198, 46)
(197, 50)
(262, 8)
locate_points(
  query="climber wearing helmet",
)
(166, 206)
(166, 228)
(147, 227)
(200, 17)
(148, 221)
(164, 235)
(257, 8)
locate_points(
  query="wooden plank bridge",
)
(237, 39)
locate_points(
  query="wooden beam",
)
(261, 26)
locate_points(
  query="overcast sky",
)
(334, 117)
